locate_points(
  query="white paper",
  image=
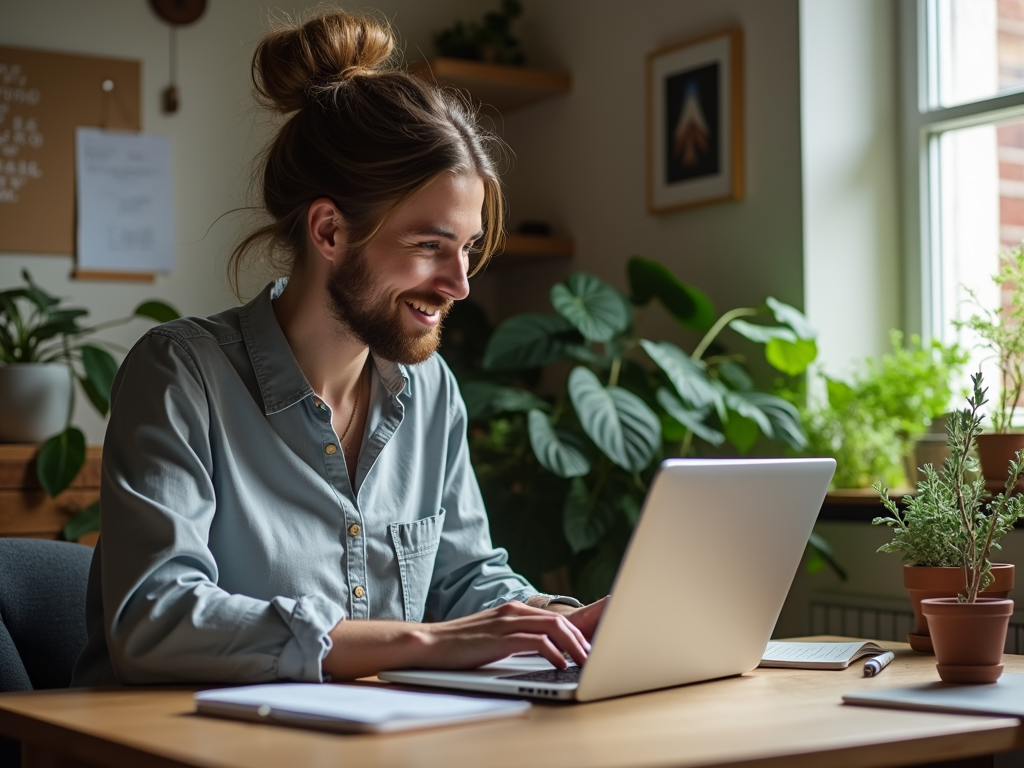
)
(377, 708)
(125, 201)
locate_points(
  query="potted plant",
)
(623, 402)
(43, 351)
(951, 526)
(1001, 332)
(872, 423)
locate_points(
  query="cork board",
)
(43, 97)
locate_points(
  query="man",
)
(286, 486)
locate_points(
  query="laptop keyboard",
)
(568, 675)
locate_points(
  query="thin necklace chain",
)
(352, 418)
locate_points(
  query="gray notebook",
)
(1005, 697)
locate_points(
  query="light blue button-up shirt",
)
(229, 548)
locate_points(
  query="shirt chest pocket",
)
(416, 547)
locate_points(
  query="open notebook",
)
(810, 655)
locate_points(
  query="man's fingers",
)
(539, 644)
(554, 627)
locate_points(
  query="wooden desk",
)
(770, 718)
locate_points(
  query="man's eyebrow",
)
(447, 234)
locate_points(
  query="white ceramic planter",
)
(34, 400)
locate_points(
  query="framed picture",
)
(695, 122)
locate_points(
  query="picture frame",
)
(695, 122)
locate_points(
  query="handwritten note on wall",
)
(43, 97)
(125, 202)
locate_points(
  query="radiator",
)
(878, 618)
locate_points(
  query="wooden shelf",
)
(26, 510)
(523, 248)
(497, 86)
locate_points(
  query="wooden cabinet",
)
(502, 89)
(25, 508)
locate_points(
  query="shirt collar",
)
(282, 383)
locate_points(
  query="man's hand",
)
(362, 648)
(585, 619)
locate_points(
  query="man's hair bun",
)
(295, 62)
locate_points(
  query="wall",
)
(580, 158)
(213, 136)
(848, 77)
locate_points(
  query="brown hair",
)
(361, 132)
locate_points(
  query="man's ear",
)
(326, 228)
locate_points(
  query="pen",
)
(876, 664)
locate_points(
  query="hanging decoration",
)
(176, 13)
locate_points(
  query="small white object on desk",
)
(351, 708)
(875, 665)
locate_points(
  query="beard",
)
(365, 311)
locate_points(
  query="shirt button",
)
(331, 449)
(353, 530)
(358, 591)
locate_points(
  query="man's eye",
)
(433, 245)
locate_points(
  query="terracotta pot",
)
(925, 582)
(968, 637)
(995, 452)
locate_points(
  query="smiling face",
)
(393, 295)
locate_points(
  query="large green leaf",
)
(687, 375)
(791, 357)
(584, 520)
(735, 375)
(558, 450)
(37, 295)
(529, 341)
(621, 424)
(597, 310)
(693, 420)
(786, 426)
(739, 402)
(792, 317)
(156, 310)
(762, 334)
(690, 306)
(100, 369)
(86, 521)
(60, 460)
(741, 432)
(485, 399)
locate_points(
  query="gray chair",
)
(42, 618)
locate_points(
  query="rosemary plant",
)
(952, 520)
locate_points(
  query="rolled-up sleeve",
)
(165, 616)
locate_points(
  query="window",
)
(963, 153)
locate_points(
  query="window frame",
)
(922, 123)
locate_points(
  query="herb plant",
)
(586, 457)
(1002, 333)
(952, 521)
(35, 328)
(870, 423)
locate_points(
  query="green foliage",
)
(490, 40)
(869, 425)
(951, 521)
(1002, 333)
(627, 402)
(34, 328)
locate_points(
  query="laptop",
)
(699, 589)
